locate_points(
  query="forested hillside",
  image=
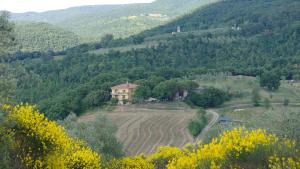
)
(217, 45)
(265, 37)
(250, 16)
(32, 36)
(92, 22)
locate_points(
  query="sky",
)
(19, 6)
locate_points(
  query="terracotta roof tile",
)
(125, 86)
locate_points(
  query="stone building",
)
(123, 92)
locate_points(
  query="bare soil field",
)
(143, 128)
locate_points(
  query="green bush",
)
(141, 93)
(267, 103)
(286, 102)
(256, 97)
(98, 134)
(6, 145)
(210, 97)
(166, 90)
(113, 102)
(196, 125)
(96, 98)
(270, 80)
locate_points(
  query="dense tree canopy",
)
(73, 81)
(210, 97)
(43, 37)
(7, 80)
(270, 80)
(142, 93)
(6, 35)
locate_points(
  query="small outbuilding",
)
(224, 120)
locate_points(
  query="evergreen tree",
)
(7, 81)
(256, 97)
(6, 36)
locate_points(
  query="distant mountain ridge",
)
(92, 22)
(56, 16)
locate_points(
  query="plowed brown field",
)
(143, 128)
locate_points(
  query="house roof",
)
(224, 119)
(125, 86)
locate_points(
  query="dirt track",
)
(212, 122)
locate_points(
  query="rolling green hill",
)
(265, 37)
(251, 17)
(227, 49)
(92, 22)
(31, 36)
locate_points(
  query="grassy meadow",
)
(278, 119)
(242, 86)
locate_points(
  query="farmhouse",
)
(123, 92)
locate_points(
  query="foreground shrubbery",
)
(40, 143)
(98, 134)
(196, 125)
(238, 148)
(37, 142)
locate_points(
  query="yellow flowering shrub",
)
(163, 155)
(276, 162)
(84, 158)
(138, 162)
(239, 148)
(230, 148)
(41, 143)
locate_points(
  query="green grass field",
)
(278, 119)
(243, 85)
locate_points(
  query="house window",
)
(124, 96)
(124, 91)
(116, 90)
